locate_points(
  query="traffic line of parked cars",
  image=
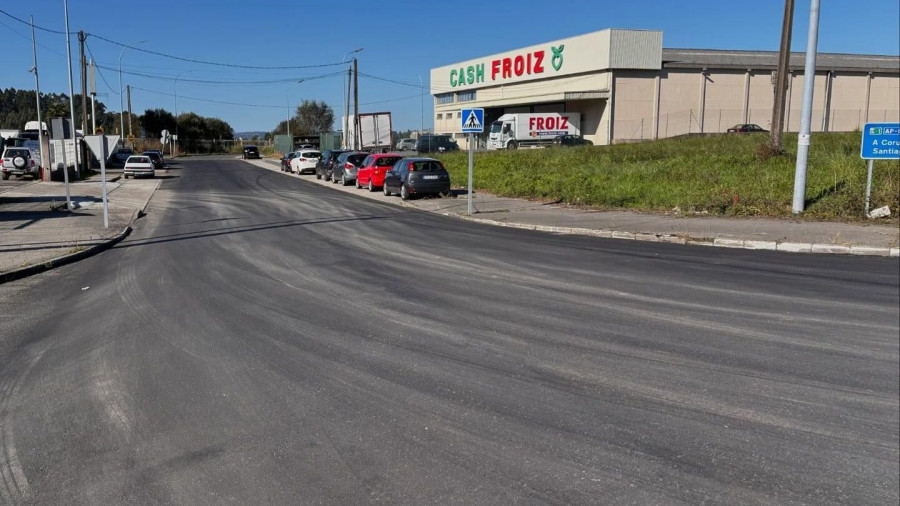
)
(146, 164)
(392, 173)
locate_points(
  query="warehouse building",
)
(626, 87)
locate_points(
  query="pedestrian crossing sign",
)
(472, 121)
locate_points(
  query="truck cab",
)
(503, 133)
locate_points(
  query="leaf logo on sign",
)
(557, 60)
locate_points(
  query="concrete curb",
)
(81, 255)
(65, 259)
(720, 242)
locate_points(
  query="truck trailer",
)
(512, 131)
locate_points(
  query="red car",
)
(371, 172)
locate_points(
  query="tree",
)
(155, 121)
(313, 117)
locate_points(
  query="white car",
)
(19, 162)
(406, 145)
(305, 161)
(139, 166)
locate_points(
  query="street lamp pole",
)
(175, 92)
(346, 98)
(421, 105)
(121, 104)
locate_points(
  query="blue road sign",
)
(472, 121)
(880, 141)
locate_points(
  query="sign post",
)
(472, 123)
(880, 141)
(99, 144)
(60, 129)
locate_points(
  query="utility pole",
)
(45, 161)
(84, 114)
(356, 132)
(347, 109)
(93, 91)
(130, 120)
(781, 78)
(71, 104)
(809, 78)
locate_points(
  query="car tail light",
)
(412, 166)
(302, 159)
(348, 165)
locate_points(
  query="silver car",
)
(19, 162)
(406, 145)
(346, 166)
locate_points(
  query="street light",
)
(175, 90)
(288, 124)
(421, 105)
(121, 105)
(347, 99)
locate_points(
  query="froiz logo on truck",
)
(507, 68)
(542, 125)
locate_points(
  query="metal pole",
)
(104, 154)
(175, 92)
(421, 105)
(94, 113)
(345, 143)
(809, 78)
(130, 117)
(45, 162)
(471, 165)
(356, 131)
(71, 92)
(121, 105)
(869, 184)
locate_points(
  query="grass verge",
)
(723, 175)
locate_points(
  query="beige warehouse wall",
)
(884, 101)
(591, 112)
(634, 91)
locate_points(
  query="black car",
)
(571, 140)
(155, 158)
(325, 165)
(746, 128)
(346, 165)
(417, 176)
(436, 144)
(286, 161)
(250, 152)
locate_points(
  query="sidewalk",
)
(37, 232)
(787, 235)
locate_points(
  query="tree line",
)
(17, 107)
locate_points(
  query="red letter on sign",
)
(495, 69)
(538, 62)
(507, 71)
(563, 122)
(519, 65)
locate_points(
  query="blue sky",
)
(402, 40)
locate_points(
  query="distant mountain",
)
(248, 135)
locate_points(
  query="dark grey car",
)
(417, 176)
(345, 167)
(325, 165)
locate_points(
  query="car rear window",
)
(428, 166)
(357, 159)
(311, 154)
(17, 152)
(387, 161)
(139, 159)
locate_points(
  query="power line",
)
(209, 81)
(208, 100)
(219, 64)
(29, 24)
(98, 70)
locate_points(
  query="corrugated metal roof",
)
(721, 58)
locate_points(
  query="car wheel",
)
(404, 192)
(358, 186)
(344, 180)
(371, 186)
(384, 189)
(5, 176)
(318, 176)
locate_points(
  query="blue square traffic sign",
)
(472, 121)
(880, 141)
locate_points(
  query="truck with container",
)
(512, 131)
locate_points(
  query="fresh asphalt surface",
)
(262, 340)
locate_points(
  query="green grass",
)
(720, 175)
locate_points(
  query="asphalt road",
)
(262, 340)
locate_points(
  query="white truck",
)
(512, 131)
(375, 132)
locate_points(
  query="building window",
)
(465, 96)
(444, 98)
(440, 116)
(458, 114)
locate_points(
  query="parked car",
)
(139, 165)
(250, 152)
(119, 158)
(406, 145)
(155, 158)
(371, 173)
(326, 163)
(746, 128)
(307, 146)
(346, 166)
(571, 140)
(417, 176)
(436, 144)
(162, 155)
(286, 161)
(305, 161)
(19, 162)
